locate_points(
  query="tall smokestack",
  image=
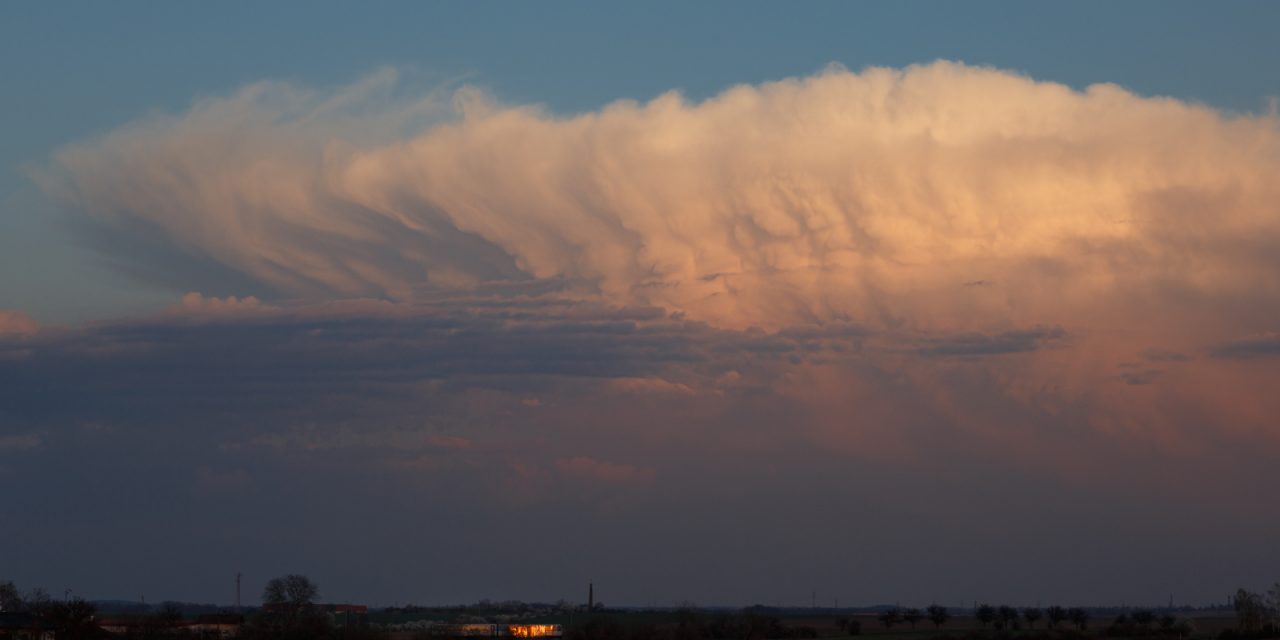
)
(591, 596)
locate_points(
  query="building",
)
(210, 627)
(23, 626)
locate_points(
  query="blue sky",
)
(76, 70)
(954, 309)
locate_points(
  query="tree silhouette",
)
(1031, 614)
(1143, 618)
(1250, 610)
(890, 618)
(289, 611)
(10, 600)
(1008, 617)
(851, 627)
(1079, 617)
(938, 615)
(1121, 626)
(985, 614)
(170, 614)
(912, 616)
(72, 620)
(293, 591)
(1055, 614)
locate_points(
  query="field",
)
(1204, 626)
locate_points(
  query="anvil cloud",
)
(871, 196)
(937, 200)
(897, 286)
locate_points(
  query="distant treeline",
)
(290, 611)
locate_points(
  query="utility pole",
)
(591, 597)
(237, 593)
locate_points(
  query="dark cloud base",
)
(517, 447)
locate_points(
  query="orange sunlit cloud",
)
(1005, 252)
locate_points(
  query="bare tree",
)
(849, 626)
(1079, 616)
(1008, 617)
(1055, 614)
(290, 612)
(890, 618)
(169, 614)
(1031, 614)
(10, 600)
(37, 601)
(1273, 602)
(1250, 610)
(986, 614)
(912, 616)
(938, 615)
(1143, 618)
(72, 620)
(292, 591)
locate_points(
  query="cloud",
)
(1157, 355)
(843, 298)
(981, 345)
(195, 304)
(218, 481)
(863, 197)
(651, 385)
(1253, 347)
(941, 224)
(17, 323)
(22, 442)
(1136, 376)
(415, 421)
(926, 224)
(244, 357)
(600, 471)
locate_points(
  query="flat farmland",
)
(825, 625)
(872, 629)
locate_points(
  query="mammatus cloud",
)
(196, 304)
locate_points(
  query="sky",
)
(727, 303)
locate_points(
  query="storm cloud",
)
(984, 313)
(870, 197)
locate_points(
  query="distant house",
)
(23, 626)
(216, 625)
(348, 615)
(211, 627)
(121, 625)
(355, 615)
